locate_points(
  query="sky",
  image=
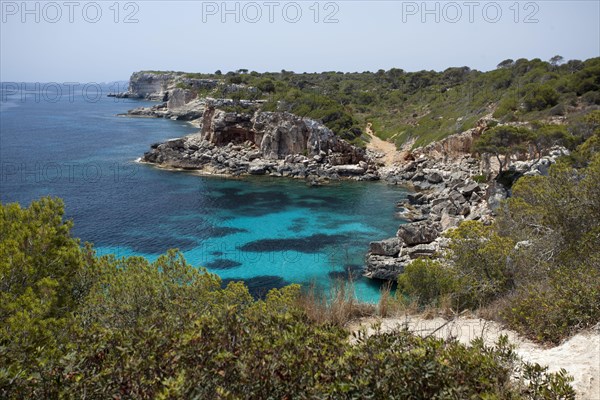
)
(102, 41)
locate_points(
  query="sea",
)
(68, 141)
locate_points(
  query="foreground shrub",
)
(427, 282)
(482, 261)
(553, 310)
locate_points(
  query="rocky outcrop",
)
(445, 195)
(244, 141)
(259, 143)
(389, 247)
(421, 232)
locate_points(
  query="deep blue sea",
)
(266, 231)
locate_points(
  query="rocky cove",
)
(237, 138)
(259, 143)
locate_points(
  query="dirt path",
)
(390, 154)
(580, 355)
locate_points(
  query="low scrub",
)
(550, 311)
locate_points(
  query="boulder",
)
(497, 193)
(415, 198)
(257, 168)
(457, 197)
(421, 250)
(434, 178)
(468, 188)
(389, 247)
(384, 268)
(474, 198)
(349, 169)
(449, 220)
(421, 232)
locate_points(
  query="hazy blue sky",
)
(368, 35)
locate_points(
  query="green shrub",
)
(540, 97)
(550, 311)
(427, 281)
(480, 178)
(506, 106)
(482, 261)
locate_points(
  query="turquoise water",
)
(266, 231)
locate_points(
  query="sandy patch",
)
(390, 156)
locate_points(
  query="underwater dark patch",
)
(251, 203)
(298, 225)
(222, 263)
(220, 231)
(308, 244)
(351, 272)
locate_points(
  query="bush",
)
(476, 270)
(540, 97)
(482, 261)
(591, 98)
(552, 310)
(505, 107)
(427, 282)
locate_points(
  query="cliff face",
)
(277, 134)
(147, 85)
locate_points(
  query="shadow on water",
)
(157, 244)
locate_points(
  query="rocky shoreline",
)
(238, 138)
(445, 195)
(447, 192)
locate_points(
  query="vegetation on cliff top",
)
(73, 325)
(426, 106)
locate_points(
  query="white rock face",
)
(148, 85)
